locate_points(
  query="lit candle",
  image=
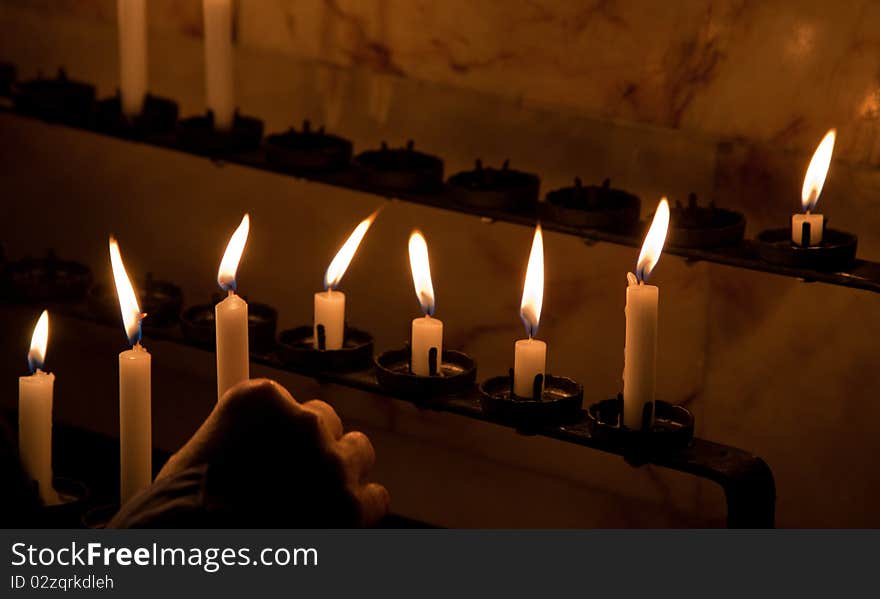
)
(35, 415)
(135, 416)
(427, 332)
(807, 228)
(132, 26)
(329, 324)
(231, 317)
(219, 84)
(640, 349)
(530, 355)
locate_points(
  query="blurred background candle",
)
(231, 317)
(219, 74)
(35, 414)
(807, 228)
(427, 332)
(640, 349)
(132, 26)
(530, 355)
(329, 324)
(135, 411)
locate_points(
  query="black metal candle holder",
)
(296, 347)
(307, 150)
(199, 327)
(400, 169)
(73, 497)
(197, 134)
(158, 117)
(60, 100)
(161, 300)
(592, 207)
(454, 373)
(558, 403)
(672, 426)
(49, 279)
(836, 252)
(694, 226)
(496, 189)
(7, 78)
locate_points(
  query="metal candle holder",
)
(158, 116)
(496, 189)
(49, 279)
(60, 100)
(694, 226)
(671, 427)
(558, 403)
(592, 207)
(836, 252)
(400, 169)
(454, 373)
(73, 498)
(161, 300)
(199, 328)
(307, 150)
(197, 134)
(296, 348)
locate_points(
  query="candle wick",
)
(230, 293)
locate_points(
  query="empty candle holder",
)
(455, 372)
(836, 252)
(73, 501)
(7, 78)
(496, 188)
(199, 326)
(298, 350)
(400, 169)
(197, 134)
(671, 427)
(49, 279)
(160, 300)
(59, 100)
(307, 150)
(694, 226)
(555, 400)
(157, 117)
(592, 207)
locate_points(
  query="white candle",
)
(640, 349)
(35, 415)
(330, 304)
(530, 355)
(135, 394)
(231, 317)
(427, 332)
(219, 82)
(807, 228)
(132, 26)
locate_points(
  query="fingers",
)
(358, 455)
(327, 416)
(374, 501)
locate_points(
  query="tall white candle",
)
(427, 332)
(330, 304)
(231, 317)
(219, 74)
(132, 26)
(640, 349)
(809, 224)
(135, 394)
(530, 355)
(35, 415)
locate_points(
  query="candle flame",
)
(232, 255)
(421, 272)
(814, 180)
(128, 302)
(39, 341)
(533, 289)
(654, 240)
(343, 257)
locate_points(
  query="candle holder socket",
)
(58, 100)
(559, 402)
(672, 427)
(496, 188)
(197, 134)
(160, 300)
(307, 150)
(694, 226)
(836, 252)
(73, 501)
(592, 207)
(297, 350)
(198, 326)
(157, 117)
(49, 279)
(456, 373)
(400, 169)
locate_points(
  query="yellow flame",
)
(814, 180)
(232, 255)
(421, 271)
(343, 257)
(533, 289)
(128, 302)
(654, 240)
(39, 341)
